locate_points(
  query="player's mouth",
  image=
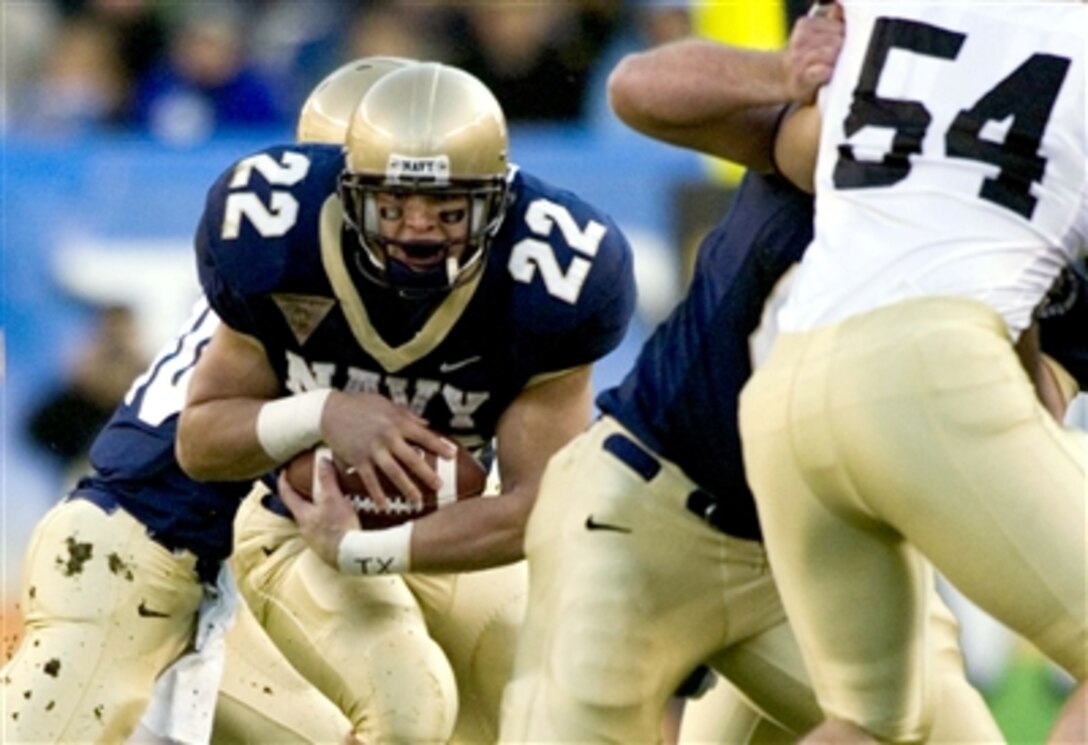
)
(419, 256)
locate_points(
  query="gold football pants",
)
(412, 658)
(630, 591)
(106, 609)
(905, 434)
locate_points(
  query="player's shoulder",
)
(302, 170)
(556, 215)
(569, 268)
(562, 251)
(771, 193)
(767, 211)
(545, 221)
(264, 210)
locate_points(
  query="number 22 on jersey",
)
(532, 254)
(527, 257)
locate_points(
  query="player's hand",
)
(324, 520)
(370, 433)
(813, 48)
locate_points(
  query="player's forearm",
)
(217, 441)
(699, 94)
(472, 535)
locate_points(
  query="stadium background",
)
(96, 213)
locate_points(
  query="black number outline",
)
(1026, 96)
(909, 119)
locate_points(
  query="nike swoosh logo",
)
(592, 524)
(448, 367)
(146, 612)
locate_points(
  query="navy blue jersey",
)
(133, 455)
(556, 291)
(681, 396)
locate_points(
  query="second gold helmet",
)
(327, 111)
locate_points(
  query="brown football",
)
(463, 477)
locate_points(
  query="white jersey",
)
(952, 159)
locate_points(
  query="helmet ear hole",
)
(434, 130)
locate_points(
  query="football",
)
(463, 477)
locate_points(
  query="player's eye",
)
(452, 217)
(390, 212)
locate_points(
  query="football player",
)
(665, 519)
(126, 573)
(893, 422)
(409, 291)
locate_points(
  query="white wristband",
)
(287, 426)
(371, 552)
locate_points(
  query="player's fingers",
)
(808, 72)
(333, 509)
(416, 418)
(392, 465)
(372, 484)
(428, 439)
(823, 47)
(295, 502)
(412, 457)
(816, 38)
(817, 74)
(811, 31)
(826, 9)
(326, 486)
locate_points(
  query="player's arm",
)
(469, 535)
(1054, 386)
(236, 424)
(724, 100)
(796, 144)
(216, 435)
(481, 533)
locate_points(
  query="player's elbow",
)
(629, 85)
(188, 451)
(184, 452)
(519, 503)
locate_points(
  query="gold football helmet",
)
(433, 130)
(327, 112)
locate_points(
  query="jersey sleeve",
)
(576, 272)
(257, 216)
(228, 303)
(610, 298)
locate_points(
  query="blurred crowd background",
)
(116, 115)
(182, 71)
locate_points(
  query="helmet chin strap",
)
(408, 283)
(453, 266)
(417, 284)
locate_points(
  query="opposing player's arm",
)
(705, 96)
(1053, 385)
(724, 100)
(481, 533)
(796, 143)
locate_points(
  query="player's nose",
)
(418, 215)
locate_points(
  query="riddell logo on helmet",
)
(433, 168)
